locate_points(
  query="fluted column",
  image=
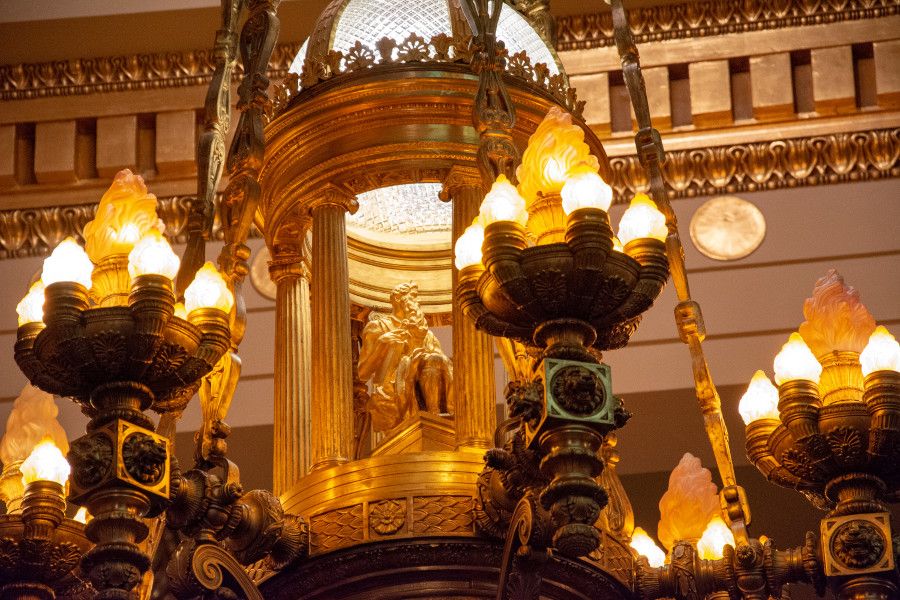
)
(293, 352)
(332, 378)
(473, 351)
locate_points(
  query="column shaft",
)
(473, 351)
(292, 373)
(332, 380)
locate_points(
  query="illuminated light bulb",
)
(82, 516)
(180, 311)
(208, 290)
(46, 462)
(646, 547)
(882, 353)
(586, 189)
(715, 537)
(617, 245)
(153, 255)
(760, 401)
(129, 234)
(554, 171)
(468, 247)
(642, 220)
(68, 262)
(503, 203)
(31, 308)
(796, 361)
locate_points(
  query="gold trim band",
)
(713, 17)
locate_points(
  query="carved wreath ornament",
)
(387, 517)
(858, 544)
(92, 458)
(144, 458)
(578, 390)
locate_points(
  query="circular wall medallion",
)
(727, 228)
(259, 273)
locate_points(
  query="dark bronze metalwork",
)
(39, 547)
(118, 362)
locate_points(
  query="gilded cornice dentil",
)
(828, 159)
(714, 17)
(124, 73)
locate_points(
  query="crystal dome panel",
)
(370, 20)
(367, 21)
(518, 34)
(297, 63)
(404, 211)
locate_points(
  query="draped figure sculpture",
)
(404, 362)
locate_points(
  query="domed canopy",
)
(345, 22)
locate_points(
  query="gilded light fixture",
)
(474, 104)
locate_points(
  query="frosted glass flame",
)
(153, 255)
(586, 189)
(882, 353)
(46, 462)
(68, 262)
(644, 545)
(796, 361)
(503, 203)
(208, 290)
(713, 541)
(127, 212)
(31, 308)
(642, 219)
(468, 247)
(760, 401)
(555, 150)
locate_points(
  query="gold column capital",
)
(288, 265)
(333, 195)
(460, 177)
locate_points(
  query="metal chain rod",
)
(688, 316)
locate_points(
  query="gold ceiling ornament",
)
(688, 20)
(124, 73)
(727, 228)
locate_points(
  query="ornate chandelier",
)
(123, 326)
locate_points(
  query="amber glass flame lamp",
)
(568, 296)
(40, 548)
(118, 349)
(836, 435)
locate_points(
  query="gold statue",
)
(404, 361)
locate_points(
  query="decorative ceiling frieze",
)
(747, 167)
(663, 22)
(714, 17)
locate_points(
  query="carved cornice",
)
(756, 166)
(818, 160)
(714, 17)
(35, 231)
(124, 73)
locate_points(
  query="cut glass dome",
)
(367, 21)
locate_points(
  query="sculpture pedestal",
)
(421, 432)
